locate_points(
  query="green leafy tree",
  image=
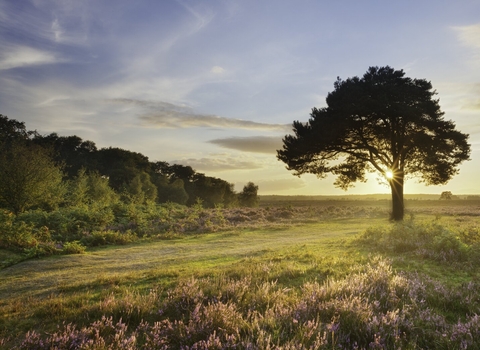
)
(71, 150)
(78, 189)
(169, 191)
(230, 198)
(29, 178)
(99, 190)
(141, 189)
(121, 166)
(88, 188)
(12, 130)
(211, 191)
(178, 172)
(383, 122)
(249, 196)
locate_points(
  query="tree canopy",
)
(29, 178)
(383, 122)
(12, 130)
(50, 170)
(75, 153)
(248, 197)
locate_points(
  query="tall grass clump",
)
(372, 307)
(425, 240)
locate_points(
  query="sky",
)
(216, 84)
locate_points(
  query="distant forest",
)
(67, 168)
(364, 197)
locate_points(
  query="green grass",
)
(43, 293)
(40, 293)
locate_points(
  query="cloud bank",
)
(168, 115)
(256, 144)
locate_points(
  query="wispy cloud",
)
(469, 35)
(217, 70)
(21, 56)
(168, 115)
(175, 119)
(256, 144)
(472, 105)
(202, 17)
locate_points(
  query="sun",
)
(389, 174)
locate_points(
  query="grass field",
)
(350, 280)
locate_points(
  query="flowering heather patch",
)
(373, 307)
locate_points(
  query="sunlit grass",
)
(62, 288)
(134, 282)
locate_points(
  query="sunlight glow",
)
(389, 174)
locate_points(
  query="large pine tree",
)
(383, 122)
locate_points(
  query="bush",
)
(16, 234)
(74, 247)
(41, 249)
(68, 224)
(141, 218)
(99, 238)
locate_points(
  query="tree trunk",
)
(396, 184)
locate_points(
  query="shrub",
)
(68, 224)
(14, 234)
(99, 238)
(470, 235)
(139, 217)
(74, 247)
(41, 249)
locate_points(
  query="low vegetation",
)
(312, 277)
(71, 230)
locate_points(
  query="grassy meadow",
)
(286, 275)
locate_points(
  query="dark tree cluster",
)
(39, 171)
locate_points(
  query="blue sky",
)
(217, 84)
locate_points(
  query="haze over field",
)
(217, 84)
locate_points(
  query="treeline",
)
(51, 171)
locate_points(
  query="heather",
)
(372, 307)
(323, 276)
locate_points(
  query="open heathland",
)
(317, 275)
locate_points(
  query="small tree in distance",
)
(383, 122)
(446, 195)
(248, 197)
